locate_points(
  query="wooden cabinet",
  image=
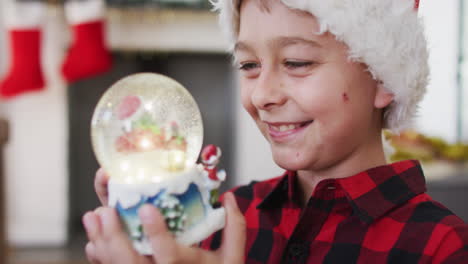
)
(3, 140)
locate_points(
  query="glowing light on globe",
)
(146, 128)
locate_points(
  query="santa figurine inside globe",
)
(210, 157)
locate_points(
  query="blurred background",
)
(46, 162)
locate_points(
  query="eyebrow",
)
(279, 42)
(286, 41)
(241, 46)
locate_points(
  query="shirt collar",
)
(281, 192)
(371, 193)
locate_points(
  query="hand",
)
(109, 243)
(100, 186)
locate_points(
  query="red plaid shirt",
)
(381, 215)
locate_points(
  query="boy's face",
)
(314, 106)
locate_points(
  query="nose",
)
(268, 91)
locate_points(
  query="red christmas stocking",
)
(88, 55)
(23, 20)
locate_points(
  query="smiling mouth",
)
(286, 127)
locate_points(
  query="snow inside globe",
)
(147, 134)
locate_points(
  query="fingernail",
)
(98, 210)
(85, 220)
(90, 249)
(88, 222)
(227, 199)
(146, 214)
(106, 216)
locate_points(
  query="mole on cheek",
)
(345, 97)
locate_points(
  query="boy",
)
(321, 79)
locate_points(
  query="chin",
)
(289, 161)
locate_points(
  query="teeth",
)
(284, 128)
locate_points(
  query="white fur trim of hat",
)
(386, 35)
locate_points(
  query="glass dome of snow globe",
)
(146, 128)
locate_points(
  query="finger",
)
(100, 185)
(91, 253)
(114, 245)
(154, 226)
(110, 222)
(165, 247)
(92, 225)
(112, 232)
(234, 233)
(99, 209)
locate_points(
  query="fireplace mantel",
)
(164, 30)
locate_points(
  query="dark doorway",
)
(208, 77)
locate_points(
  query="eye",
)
(297, 64)
(247, 66)
(250, 69)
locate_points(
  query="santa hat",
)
(386, 35)
(210, 153)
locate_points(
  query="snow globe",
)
(147, 134)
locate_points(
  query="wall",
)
(465, 73)
(36, 158)
(437, 115)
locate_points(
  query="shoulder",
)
(426, 210)
(442, 234)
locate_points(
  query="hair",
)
(385, 35)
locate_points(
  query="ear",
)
(382, 97)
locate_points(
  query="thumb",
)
(234, 234)
(165, 247)
(161, 239)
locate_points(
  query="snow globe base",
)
(183, 201)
